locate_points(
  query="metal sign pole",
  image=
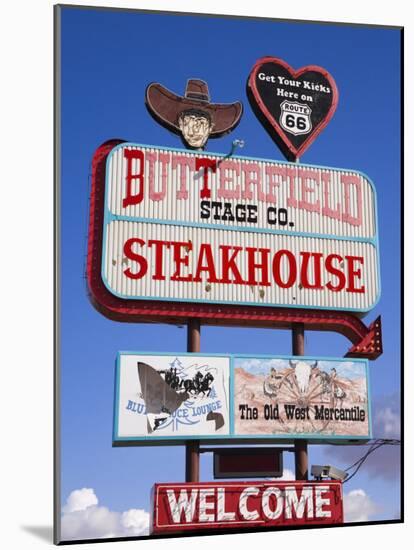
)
(192, 448)
(301, 445)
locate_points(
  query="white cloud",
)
(358, 506)
(93, 522)
(82, 518)
(80, 500)
(135, 521)
(288, 475)
(388, 421)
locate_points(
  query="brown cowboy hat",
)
(167, 107)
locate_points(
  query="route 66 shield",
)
(295, 118)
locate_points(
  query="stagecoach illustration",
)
(165, 391)
(199, 384)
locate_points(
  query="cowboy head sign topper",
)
(192, 116)
(293, 105)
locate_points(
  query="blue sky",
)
(108, 58)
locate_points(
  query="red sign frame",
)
(183, 507)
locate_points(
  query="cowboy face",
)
(195, 128)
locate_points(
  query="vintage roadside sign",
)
(182, 227)
(293, 105)
(179, 507)
(172, 398)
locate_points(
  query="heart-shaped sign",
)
(293, 106)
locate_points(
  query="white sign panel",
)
(171, 396)
(157, 184)
(197, 227)
(156, 261)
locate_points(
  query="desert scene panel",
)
(282, 396)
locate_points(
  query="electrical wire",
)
(374, 446)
